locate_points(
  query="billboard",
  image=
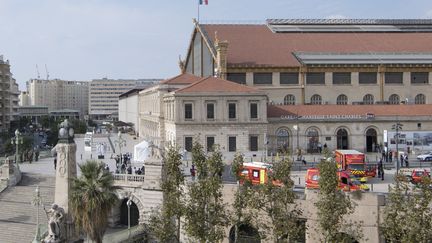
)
(412, 141)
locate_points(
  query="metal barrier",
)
(128, 178)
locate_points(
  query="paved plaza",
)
(41, 173)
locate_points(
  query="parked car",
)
(425, 157)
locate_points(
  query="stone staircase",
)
(17, 215)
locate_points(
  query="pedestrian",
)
(325, 145)
(193, 172)
(319, 147)
(382, 173)
(55, 163)
(380, 166)
(143, 170)
(406, 160)
(402, 158)
(304, 161)
(390, 156)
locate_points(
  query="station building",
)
(337, 83)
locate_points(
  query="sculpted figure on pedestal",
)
(56, 227)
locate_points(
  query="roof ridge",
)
(193, 84)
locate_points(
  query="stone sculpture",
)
(56, 228)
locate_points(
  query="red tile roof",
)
(329, 110)
(184, 78)
(257, 45)
(212, 84)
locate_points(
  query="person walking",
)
(380, 166)
(382, 173)
(193, 172)
(55, 163)
(319, 147)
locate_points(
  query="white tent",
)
(141, 151)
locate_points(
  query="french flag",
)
(201, 2)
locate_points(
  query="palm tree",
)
(92, 199)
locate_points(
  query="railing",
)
(128, 178)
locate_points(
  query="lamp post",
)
(120, 142)
(129, 203)
(17, 141)
(37, 201)
(297, 128)
(397, 126)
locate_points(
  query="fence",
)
(128, 178)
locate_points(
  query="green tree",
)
(165, 223)
(333, 204)
(407, 215)
(276, 199)
(92, 199)
(205, 213)
(242, 213)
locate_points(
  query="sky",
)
(91, 39)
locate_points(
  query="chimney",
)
(221, 58)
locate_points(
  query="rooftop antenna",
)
(47, 73)
(37, 70)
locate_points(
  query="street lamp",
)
(397, 126)
(37, 201)
(17, 141)
(120, 142)
(129, 203)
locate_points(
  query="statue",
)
(56, 228)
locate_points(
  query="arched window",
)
(316, 99)
(282, 139)
(342, 100)
(420, 99)
(371, 140)
(289, 100)
(342, 139)
(394, 99)
(368, 99)
(313, 140)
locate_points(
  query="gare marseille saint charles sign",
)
(329, 117)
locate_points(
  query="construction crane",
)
(37, 70)
(47, 73)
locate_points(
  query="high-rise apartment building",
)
(8, 95)
(59, 94)
(104, 95)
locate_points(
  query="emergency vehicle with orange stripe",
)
(353, 162)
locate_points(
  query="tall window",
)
(232, 144)
(342, 78)
(394, 99)
(420, 99)
(282, 139)
(210, 111)
(419, 77)
(289, 78)
(253, 143)
(393, 78)
(210, 143)
(263, 78)
(253, 110)
(188, 111)
(315, 78)
(342, 100)
(232, 110)
(188, 144)
(316, 99)
(289, 100)
(368, 99)
(313, 139)
(239, 78)
(367, 78)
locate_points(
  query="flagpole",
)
(198, 10)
